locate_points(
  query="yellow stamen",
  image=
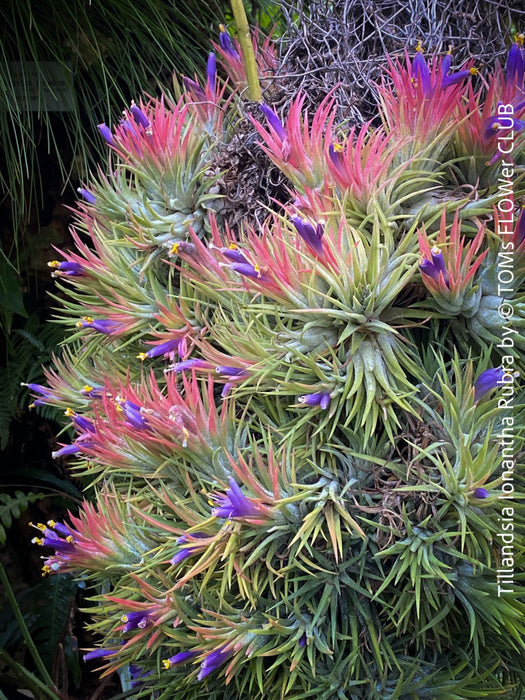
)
(474, 71)
(337, 147)
(87, 388)
(174, 249)
(222, 28)
(38, 540)
(142, 356)
(69, 412)
(166, 663)
(53, 263)
(419, 46)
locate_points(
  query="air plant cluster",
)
(302, 436)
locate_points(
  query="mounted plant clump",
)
(302, 432)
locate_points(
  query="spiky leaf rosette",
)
(294, 496)
(317, 299)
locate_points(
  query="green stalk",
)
(44, 673)
(248, 54)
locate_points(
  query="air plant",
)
(297, 432)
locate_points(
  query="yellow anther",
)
(50, 523)
(222, 28)
(474, 71)
(69, 412)
(41, 526)
(70, 539)
(46, 570)
(337, 147)
(419, 46)
(53, 263)
(232, 246)
(166, 663)
(87, 388)
(174, 249)
(124, 618)
(520, 39)
(37, 540)
(142, 356)
(88, 319)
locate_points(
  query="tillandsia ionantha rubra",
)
(301, 434)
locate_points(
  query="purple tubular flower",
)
(67, 450)
(194, 87)
(235, 504)
(213, 661)
(334, 153)
(139, 116)
(438, 260)
(102, 325)
(321, 399)
(64, 546)
(436, 267)
(179, 658)
(84, 425)
(92, 392)
(457, 77)
(480, 493)
(133, 414)
(190, 364)
(230, 371)
(98, 654)
(310, 235)
(235, 255)
(106, 133)
(445, 64)
(138, 619)
(60, 528)
(247, 269)
(487, 381)
(39, 389)
(165, 348)
(187, 551)
(87, 195)
(428, 269)
(66, 267)
(421, 73)
(226, 42)
(211, 72)
(128, 127)
(273, 120)
(226, 389)
(515, 66)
